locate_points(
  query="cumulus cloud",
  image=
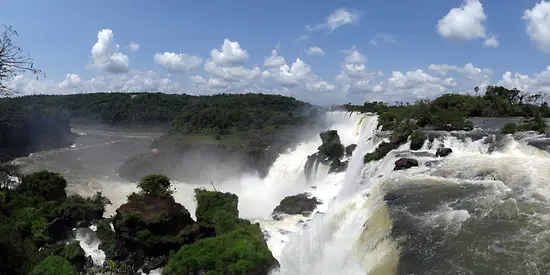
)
(70, 81)
(178, 62)
(466, 23)
(226, 70)
(539, 82)
(133, 46)
(275, 61)
(336, 19)
(106, 55)
(315, 51)
(230, 54)
(538, 25)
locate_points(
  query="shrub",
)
(155, 185)
(74, 253)
(217, 208)
(49, 185)
(107, 237)
(381, 151)
(509, 128)
(54, 265)
(417, 140)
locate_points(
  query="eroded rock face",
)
(443, 152)
(405, 163)
(349, 149)
(148, 227)
(300, 204)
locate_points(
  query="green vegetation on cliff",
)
(238, 248)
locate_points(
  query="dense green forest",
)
(151, 230)
(142, 109)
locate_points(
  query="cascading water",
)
(482, 210)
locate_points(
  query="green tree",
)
(155, 185)
(49, 185)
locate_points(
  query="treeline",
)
(449, 111)
(148, 108)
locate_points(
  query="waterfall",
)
(481, 210)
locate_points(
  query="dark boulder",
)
(337, 166)
(443, 152)
(405, 163)
(300, 204)
(154, 263)
(349, 149)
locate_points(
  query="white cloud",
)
(178, 62)
(336, 19)
(491, 42)
(70, 81)
(274, 61)
(315, 51)
(133, 46)
(538, 25)
(226, 69)
(230, 54)
(466, 23)
(469, 75)
(106, 55)
(197, 80)
(386, 38)
(539, 82)
(298, 76)
(133, 81)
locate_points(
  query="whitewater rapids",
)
(484, 209)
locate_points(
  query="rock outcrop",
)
(405, 163)
(301, 204)
(443, 152)
(150, 226)
(349, 149)
(329, 153)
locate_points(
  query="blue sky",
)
(364, 50)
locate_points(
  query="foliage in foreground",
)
(238, 248)
(54, 265)
(36, 218)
